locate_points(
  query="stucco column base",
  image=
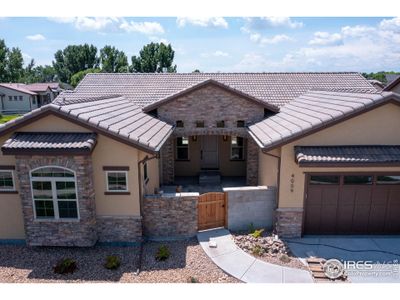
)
(289, 222)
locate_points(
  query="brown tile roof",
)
(276, 89)
(20, 87)
(345, 155)
(42, 87)
(68, 142)
(116, 117)
(311, 112)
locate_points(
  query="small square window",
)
(220, 124)
(358, 179)
(388, 179)
(9, 98)
(179, 124)
(20, 98)
(117, 181)
(200, 124)
(15, 98)
(240, 123)
(6, 181)
(237, 148)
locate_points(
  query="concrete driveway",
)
(381, 254)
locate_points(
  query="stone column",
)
(252, 162)
(80, 232)
(289, 222)
(167, 161)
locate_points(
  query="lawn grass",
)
(4, 119)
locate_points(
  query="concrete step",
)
(209, 177)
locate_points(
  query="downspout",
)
(279, 174)
(143, 161)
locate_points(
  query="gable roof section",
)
(312, 112)
(19, 87)
(114, 117)
(392, 84)
(276, 89)
(205, 83)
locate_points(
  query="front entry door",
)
(209, 152)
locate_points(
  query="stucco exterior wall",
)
(107, 152)
(380, 126)
(268, 168)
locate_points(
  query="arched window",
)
(54, 193)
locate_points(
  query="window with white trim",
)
(7, 180)
(182, 148)
(117, 181)
(54, 193)
(237, 148)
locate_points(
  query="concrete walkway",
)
(243, 266)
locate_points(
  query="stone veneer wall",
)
(167, 161)
(170, 215)
(119, 229)
(252, 162)
(59, 232)
(289, 222)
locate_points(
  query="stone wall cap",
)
(289, 209)
(172, 195)
(248, 188)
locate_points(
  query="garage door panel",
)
(377, 215)
(393, 211)
(362, 207)
(312, 221)
(314, 196)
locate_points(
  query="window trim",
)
(13, 180)
(237, 159)
(176, 148)
(117, 191)
(54, 194)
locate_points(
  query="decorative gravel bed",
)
(267, 247)
(187, 263)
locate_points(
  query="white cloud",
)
(326, 38)
(390, 24)
(275, 39)
(217, 53)
(202, 22)
(35, 37)
(101, 24)
(357, 31)
(257, 24)
(148, 28)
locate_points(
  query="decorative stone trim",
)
(80, 232)
(170, 215)
(289, 222)
(167, 161)
(119, 229)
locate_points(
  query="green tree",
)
(15, 65)
(77, 77)
(3, 61)
(112, 60)
(74, 58)
(154, 57)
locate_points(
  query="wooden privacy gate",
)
(211, 210)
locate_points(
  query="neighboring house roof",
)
(391, 77)
(377, 84)
(276, 89)
(50, 142)
(20, 87)
(309, 156)
(115, 117)
(42, 87)
(392, 84)
(314, 111)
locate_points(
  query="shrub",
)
(284, 258)
(65, 266)
(251, 228)
(162, 253)
(112, 262)
(193, 280)
(257, 250)
(257, 233)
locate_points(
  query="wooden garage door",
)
(352, 204)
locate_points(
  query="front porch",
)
(203, 163)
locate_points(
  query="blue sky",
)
(223, 44)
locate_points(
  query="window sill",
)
(8, 192)
(117, 193)
(57, 220)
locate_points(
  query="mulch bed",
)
(269, 248)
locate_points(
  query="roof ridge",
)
(223, 73)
